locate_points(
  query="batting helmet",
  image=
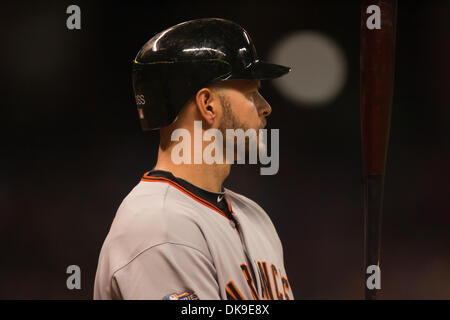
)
(177, 62)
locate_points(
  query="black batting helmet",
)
(177, 62)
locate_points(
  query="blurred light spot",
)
(319, 68)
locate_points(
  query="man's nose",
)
(264, 108)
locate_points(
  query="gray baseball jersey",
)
(173, 240)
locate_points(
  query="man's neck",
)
(206, 176)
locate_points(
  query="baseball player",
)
(179, 234)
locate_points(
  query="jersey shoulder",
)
(152, 214)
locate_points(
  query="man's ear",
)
(207, 105)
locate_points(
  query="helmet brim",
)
(261, 70)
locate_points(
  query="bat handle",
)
(373, 186)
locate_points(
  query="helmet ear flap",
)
(161, 89)
(149, 88)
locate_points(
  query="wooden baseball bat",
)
(377, 52)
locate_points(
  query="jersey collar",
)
(218, 201)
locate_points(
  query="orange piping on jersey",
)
(229, 204)
(187, 192)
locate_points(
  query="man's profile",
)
(179, 234)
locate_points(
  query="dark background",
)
(72, 147)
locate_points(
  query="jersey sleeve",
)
(168, 271)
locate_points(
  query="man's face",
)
(244, 108)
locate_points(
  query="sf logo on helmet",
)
(140, 99)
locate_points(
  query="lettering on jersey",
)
(286, 286)
(266, 286)
(273, 284)
(233, 292)
(249, 279)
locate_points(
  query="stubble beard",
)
(229, 121)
